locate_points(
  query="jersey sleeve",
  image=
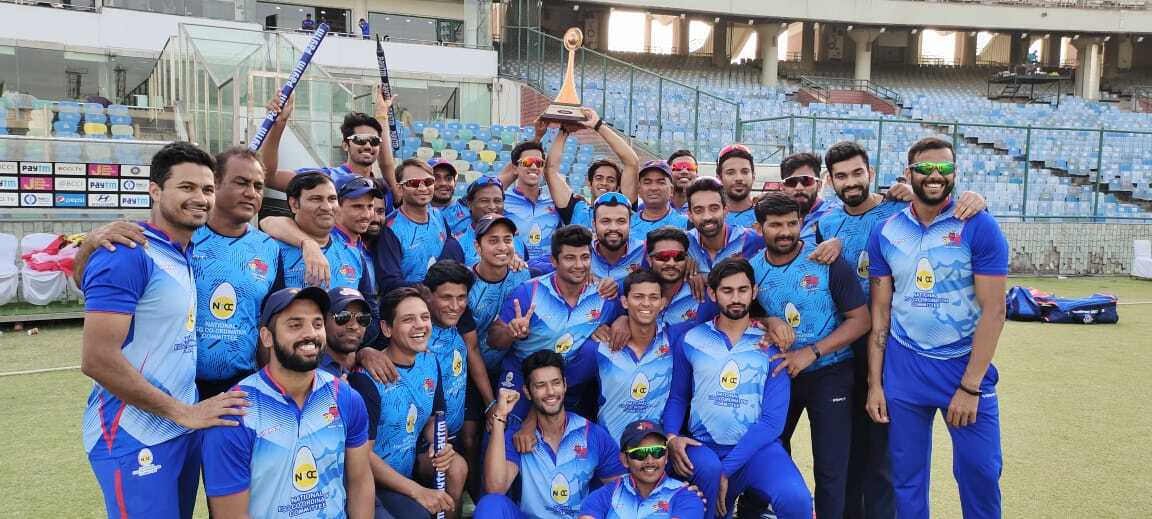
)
(685, 504)
(680, 392)
(989, 246)
(510, 452)
(452, 250)
(599, 503)
(877, 264)
(767, 429)
(115, 281)
(846, 291)
(608, 462)
(467, 322)
(227, 457)
(387, 261)
(354, 414)
(371, 398)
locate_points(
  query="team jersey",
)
(554, 484)
(467, 241)
(822, 207)
(582, 213)
(853, 232)
(421, 244)
(536, 221)
(485, 300)
(397, 412)
(811, 297)
(934, 308)
(639, 227)
(745, 218)
(233, 275)
(738, 241)
(670, 499)
(452, 356)
(736, 407)
(684, 308)
(554, 325)
(345, 264)
(457, 217)
(153, 285)
(632, 261)
(632, 388)
(289, 458)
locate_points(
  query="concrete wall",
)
(445, 63)
(1072, 249)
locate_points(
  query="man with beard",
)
(300, 449)
(730, 411)
(415, 235)
(656, 194)
(445, 187)
(827, 309)
(800, 179)
(314, 203)
(485, 196)
(399, 414)
(712, 239)
(379, 212)
(614, 254)
(345, 325)
(683, 166)
(843, 232)
(140, 350)
(572, 208)
(647, 491)
(937, 313)
(736, 169)
(570, 450)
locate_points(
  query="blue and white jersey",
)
(671, 499)
(811, 297)
(233, 275)
(154, 285)
(345, 264)
(421, 244)
(684, 308)
(582, 213)
(632, 388)
(554, 484)
(853, 232)
(822, 207)
(467, 240)
(738, 241)
(934, 308)
(536, 222)
(457, 217)
(639, 227)
(485, 300)
(745, 218)
(631, 261)
(290, 459)
(452, 355)
(397, 412)
(555, 325)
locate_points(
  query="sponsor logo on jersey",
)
(730, 376)
(410, 421)
(534, 235)
(564, 343)
(429, 386)
(862, 264)
(661, 506)
(348, 272)
(145, 463)
(223, 302)
(662, 350)
(952, 238)
(594, 315)
(792, 315)
(580, 450)
(640, 387)
(690, 314)
(258, 268)
(304, 473)
(560, 489)
(457, 363)
(332, 414)
(810, 281)
(925, 276)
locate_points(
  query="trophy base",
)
(563, 113)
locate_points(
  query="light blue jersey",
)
(853, 232)
(345, 264)
(632, 389)
(154, 285)
(738, 242)
(582, 213)
(233, 275)
(745, 218)
(421, 243)
(536, 222)
(631, 261)
(934, 309)
(554, 325)
(684, 308)
(457, 217)
(822, 207)
(289, 459)
(639, 227)
(554, 484)
(485, 300)
(670, 499)
(452, 355)
(397, 412)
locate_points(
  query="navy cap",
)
(635, 432)
(280, 299)
(658, 165)
(342, 297)
(487, 221)
(481, 182)
(356, 186)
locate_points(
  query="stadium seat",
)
(9, 274)
(476, 145)
(95, 130)
(425, 153)
(431, 134)
(462, 166)
(1142, 259)
(487, 156)
(449, 154)
(467, 134)
(437, 144)
(121, 131)
(40, 287)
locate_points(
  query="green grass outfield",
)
(1075, 402)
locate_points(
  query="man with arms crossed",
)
(301, 449)
(937, 312)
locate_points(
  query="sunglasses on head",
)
(927, 168)
(531, 162)
(684, 166)
(669, 255)
(416, 183)
(361, 139)
(642, 453)
(805, 181)
(612, 198)
(342, 318)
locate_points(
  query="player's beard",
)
(617, 241)
(735, 312)
(783, 250)
(290, 361)
(918, 188)
(854, 200)
(806, 201)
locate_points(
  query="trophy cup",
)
(566, 108)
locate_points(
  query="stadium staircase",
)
(832, 90)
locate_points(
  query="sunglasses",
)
(361, 139)
(805, 181)
(683, 166)
(612, 198)
(416, 183)
(927, 168)
(669, 255)
(531, 162)
(342, 318)
(642, 453)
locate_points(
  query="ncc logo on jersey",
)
(457, 364)
(560, 489)
(304, 473)
(862, 264)
(223, 302)
(146, 463)
(410, 420)
(640, 386)
(730, 376)
(925, 275)
(564, 343)
(792, 315)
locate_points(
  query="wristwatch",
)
(973, 392)
(815, 350)
(596, 127)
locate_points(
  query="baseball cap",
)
(280, 299)
(355, 186)
(635, 432)
(342, 297)
(442, 163)
(481, 182)
(487, 221)
(657, 165)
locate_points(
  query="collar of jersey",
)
(948, 212)
(665, 482)
(628, 252)
(549, 282)
(660, 327)
(345, 236)
(572, 423)
(266, 376)
(163, 237)
(751, 331)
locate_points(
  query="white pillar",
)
(863, 39)
(769, 53)
(471, 22)
(1088, 68)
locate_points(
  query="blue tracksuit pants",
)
(770, 472)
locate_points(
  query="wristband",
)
(596, 127)
(815, 350)
(973, 392)
(489, 408)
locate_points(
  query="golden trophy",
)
(566, 107)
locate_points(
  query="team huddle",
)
(644, 353)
